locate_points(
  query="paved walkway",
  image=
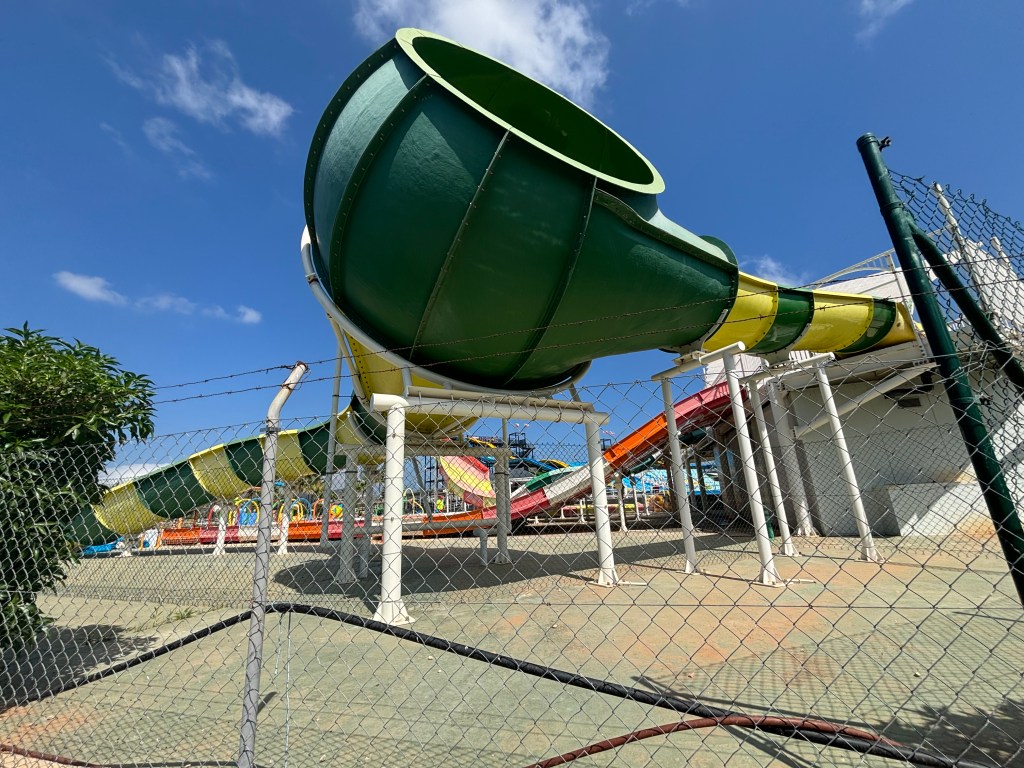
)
(926, 648)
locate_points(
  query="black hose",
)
(874, 746)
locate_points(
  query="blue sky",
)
(152, 156)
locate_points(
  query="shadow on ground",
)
(455, 567)
(63, 655)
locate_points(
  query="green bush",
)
(65, 407)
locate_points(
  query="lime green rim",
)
(408, 35)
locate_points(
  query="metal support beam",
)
(222, 530)
(331, 443)
(867, 543)
(790, 462)
(768, 575)
(620, 492)
(365, 544)
(774, 485)
(391, 608)
(679, 496)
(349, 494)
(607, 575)
(502, 501)
(879, 389)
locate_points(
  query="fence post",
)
(261, 573)
(961, 398)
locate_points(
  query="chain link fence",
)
(664, 571)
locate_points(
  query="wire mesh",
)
(785, 586)
(910, 635)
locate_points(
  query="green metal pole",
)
(901, 227)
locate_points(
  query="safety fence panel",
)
(849, 607)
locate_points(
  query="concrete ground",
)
(926, 648)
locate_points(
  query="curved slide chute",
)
(469, 477)
(440, 182)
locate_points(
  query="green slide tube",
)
(483, 227)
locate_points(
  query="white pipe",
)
(346, 548)
(366, 543)
(790, 463)
(261, 574)
(768, 575)
(721, 354)
(391, 608)
(620, 490)
(500, 410)
(459, 394)
(222, 530)
(998, 248)
(332, 446)
(773, 476)
(607, 576)
(502, 501)
(965, 254)
(683, 365)
(636, 502)
(680, 499)
(867, 543)
(879, 389)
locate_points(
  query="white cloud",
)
(167, 302)
(89, 287)
(768, 268)
(163, 134)
(94, 288)
(206, 85)
(116, 137)
(243, 314)
(876, 14)
(634, 7)
(553, 41)
(248, 315)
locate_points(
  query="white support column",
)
(502, 502)
(768, 575)
(222, 530)
(620, 491)
(347, 546)
(481, 535)
(867, 543)
(679, 497)
(702, 483)
(773, 476)
(331, 450)
(391, 608)
(365, 544)
(790, 462)
(636, 501)
(607, 576)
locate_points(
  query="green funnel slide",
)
(484, 229)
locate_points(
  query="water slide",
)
(468, 228)
(469, 478)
